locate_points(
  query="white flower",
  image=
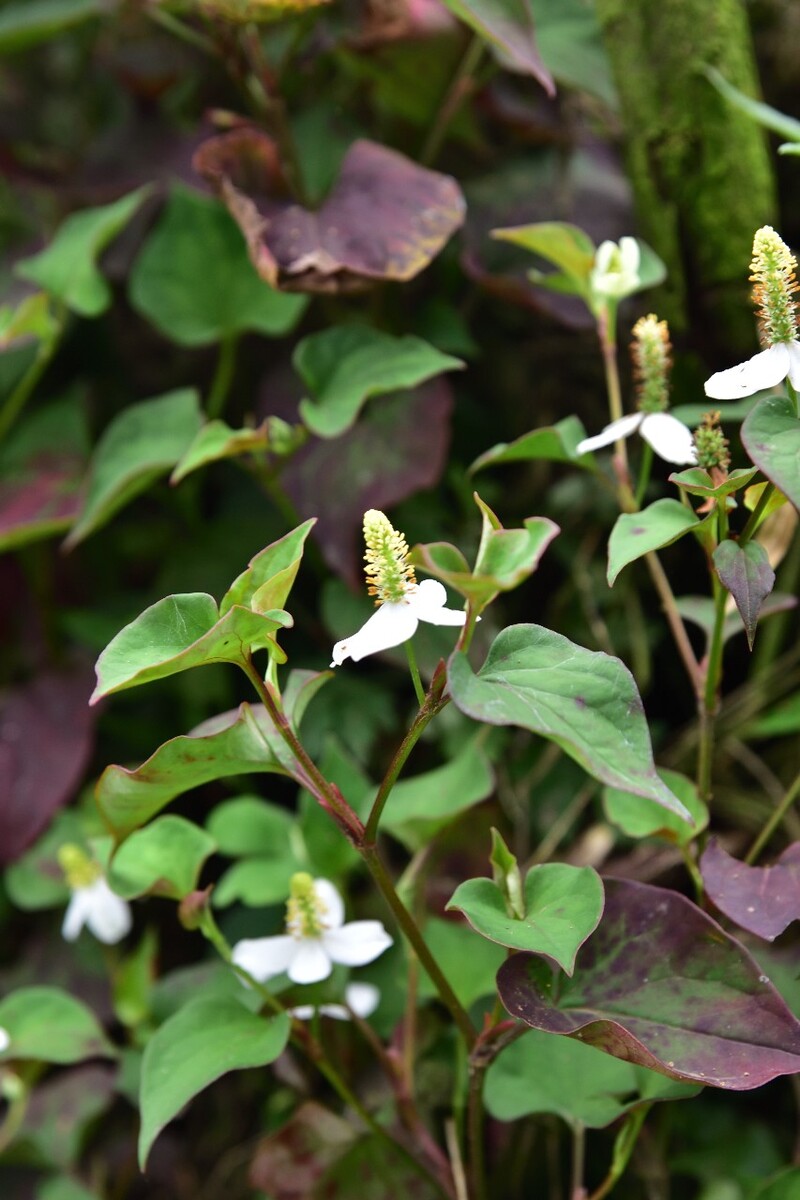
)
(616, 268)
(668, 436)
(760, 372)
(315, 939)
(360, 998)
(5, 1040)
(104, 913)
(396, 621)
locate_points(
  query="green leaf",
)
(771, 436)
(194, 279)
(142, 443)
(564, 245)
(216, 441)
(24, 23)
(507, 27)
(698, 482)
(785, 1186)
(555, 443)
(507, 877)
(563, 905)
(540, 1073)
(67, 268)
(263, 836)
(32, 319)
(48, 1025)
(700, 610)
(61, 1187)
(203, 1041)
(764, 114)
(469, 963)
(571, 44)
(133, 979)
(747, 575)
(637, 534)
(418, 808)
(346, 365)
(235, 743)
(163, 859)
(266, 582)
(181, 632)
(36, 880)
(257, 882)
(586, 702)
(638, 817)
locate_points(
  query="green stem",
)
(754, 520)
(772, 824)
(453, 99)
(608, 344)
(18, 1099)
(674, 620)
(578, 1160)
(19, 397)
(412, 665)
(644, 473)
(423, 718)
(331, 798)
(179, 30)
(713, 674)
(623, 1148)
(223, 376)
(475, 1132)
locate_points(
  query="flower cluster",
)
(403, 602)
(615, 273)
(315, 938)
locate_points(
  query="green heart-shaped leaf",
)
(771, 436)
(637, 534)
(164, 859)
(47, 1025)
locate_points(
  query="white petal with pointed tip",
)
(331, 902)
(391, 625)
(311, 961)
(363, 998)
(621, 428)
(264, 957)
(669, 437)
(760, 372)
(357, 943)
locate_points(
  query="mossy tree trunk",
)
(700, 170)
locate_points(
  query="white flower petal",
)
(427, 601)
(5, 1040)
(311, 961)
(331, 903)
(391, 625)
(762, 371)
(357, 943)
(76, 915)
(669, 437)
(264, 957)
(363, 998)
(794, 364)
(337, 1011)
(303, 1012)
(621, 428)
(629, 255)
(108, 916)
(603, 256)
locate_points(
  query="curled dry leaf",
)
(385, 217)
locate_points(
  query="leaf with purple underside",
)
(747, 575)
(659, 983)
(763, 900)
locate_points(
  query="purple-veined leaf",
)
(660, 984)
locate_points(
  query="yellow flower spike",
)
(388, 571)
(79, 870)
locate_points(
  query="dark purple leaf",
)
(746, 573)
(763, 900)
(385, 218)
(46, 730)
(288, 1163)
(45, 501)
(398, 447)
(662, 985)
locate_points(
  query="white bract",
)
(396, 621)
(616, 269)
(668, 436)
(360, 998)
(762, 371)
(104, 914)
(316, 937)
(5, 1040)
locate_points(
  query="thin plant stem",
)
(331, 799)
(606, 330)
(223, 376)
(713, 674)
(21, 394)
(421, 721)
(623, 1148)
(674, 620)
(15, 1113)
(454, 97)
(645, 468)
(180, 30)
(792, 792)
(456, 1161)
(754, 520)
(475, 1132)
(414, 669)
(577, 1191)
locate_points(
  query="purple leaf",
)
(662, 985)
(45, 501)
(46, 729)
(763, 900)
(398, 447)
(385, 217)
(746, 573)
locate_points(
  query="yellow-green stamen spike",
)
(79, 870)
(389, 574)
(304, 912)
(711, 445)
(651, 352)
(774, 285)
